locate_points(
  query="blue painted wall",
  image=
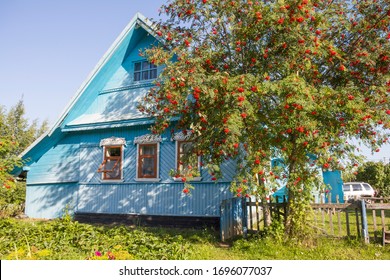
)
(50, 200)
(152, 199)
(334, 180)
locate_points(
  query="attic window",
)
(144, 70)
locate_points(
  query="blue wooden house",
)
(99, 158)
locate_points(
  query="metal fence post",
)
(364, 222)
(222, 223)
(244, 218)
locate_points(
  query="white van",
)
(355, 190)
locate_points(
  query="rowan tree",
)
(256, 80)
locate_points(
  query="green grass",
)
(67, 239)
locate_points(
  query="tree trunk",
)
(266, 208)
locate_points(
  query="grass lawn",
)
(67, 239)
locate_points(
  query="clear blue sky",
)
(48, 48)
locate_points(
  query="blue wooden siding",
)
(50, 201)
(152, 199)
(60, 164)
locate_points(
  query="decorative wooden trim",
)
(147, 180)
(148, 139)
(113, 141)
(181, 136)
(139, 84)
(193, 179)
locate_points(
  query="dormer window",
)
(144, 70)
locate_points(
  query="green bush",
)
(67, 239)
(12, 200)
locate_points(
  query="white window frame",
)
(113, 142)
(143, 70)
(181, 137)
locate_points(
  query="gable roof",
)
(52, 134)
(137, 19)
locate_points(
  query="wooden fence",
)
(366, 218)
(232, 217)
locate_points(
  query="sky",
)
(48, 48)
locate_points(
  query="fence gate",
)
(231, 219)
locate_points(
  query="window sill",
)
(147, 180)
(194, 179)
(112, 181)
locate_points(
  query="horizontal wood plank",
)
(378, 206)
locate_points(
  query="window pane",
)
(145, 75)
(192, 162)
(145, 65)
(116, 170)
(137, 66)
(147, 150)
(152, 66)
(137, 76)
(346, 188)
(113, 152)
(147, 168)
(356, 187)
(185, 147)
(367, 187)
(153, 74)
(185, 153)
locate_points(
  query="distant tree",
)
(386, 186)
(16, 134)
(18, 127)
(377, 174)
(253, 80)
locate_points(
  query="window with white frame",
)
(147, 161)
(144, 70)
(112, 164)
(148, 150)
(187, 161)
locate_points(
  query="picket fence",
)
(368, 219)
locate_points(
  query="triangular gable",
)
(120, 49)
(126, 34)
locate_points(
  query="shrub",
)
(12, 200)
